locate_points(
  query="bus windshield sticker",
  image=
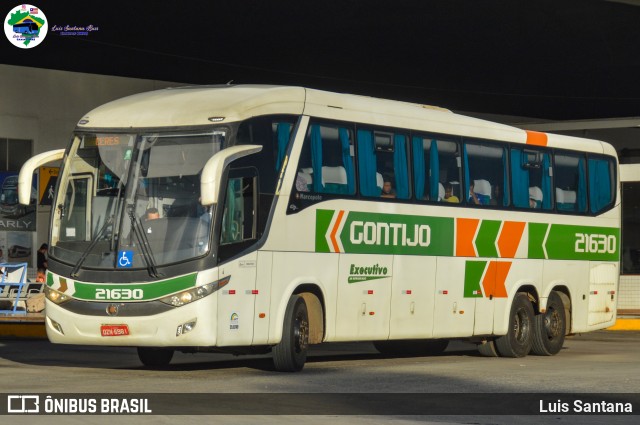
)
(125, 259)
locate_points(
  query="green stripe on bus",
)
(134, 291)
(378, 233)
(375, 233)
(570, 242)
(567, 242)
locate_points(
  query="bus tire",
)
(549, 327)
(488, 348)
(155, 357)
(519, 338)
(291, 353)
(412, 347)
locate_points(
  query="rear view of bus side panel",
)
(603, 293)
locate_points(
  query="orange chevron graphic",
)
(495, 278)
(63, 285)
(489, 280)
(465, 231)
(334, 231)
(509, 238)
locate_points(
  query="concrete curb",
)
(630, 324)
(22, 331)
(25, 325)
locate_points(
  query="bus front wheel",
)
(519, 338)
(291, 353)
(155, 357)
(549, 327)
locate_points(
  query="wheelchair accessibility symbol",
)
(125, 259)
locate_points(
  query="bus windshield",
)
(133, 200)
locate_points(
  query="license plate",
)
(114, 330)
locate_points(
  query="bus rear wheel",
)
(155, 357)
(519, 338)
(418, 347)
(291, 353)
(549, 327)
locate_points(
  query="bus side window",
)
(326, 161)
(425, 169)
(531, 174)
(601, 184)
(383, 164)
(485, 168)
(238, 228)
(400, 163)
(571, 183)
(76, 211)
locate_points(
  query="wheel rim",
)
(521, 326)
(552, 323)
(301, 333)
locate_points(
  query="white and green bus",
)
(250, 219)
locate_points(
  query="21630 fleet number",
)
(119, 294)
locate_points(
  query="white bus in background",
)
(249, 219)
(9, 206)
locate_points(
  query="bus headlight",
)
(55, 296)
(194, 294)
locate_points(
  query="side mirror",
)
(213, 169)
(29, 167)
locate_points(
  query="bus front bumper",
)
(192, 325)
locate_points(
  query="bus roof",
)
(202, 105)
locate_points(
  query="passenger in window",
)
(473, 198)
(532, 202)
(41, 275)
(151, 214)
(387, 188)
(42, 261)
(448, 194)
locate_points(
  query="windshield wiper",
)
(94, 242)
(147, 254)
